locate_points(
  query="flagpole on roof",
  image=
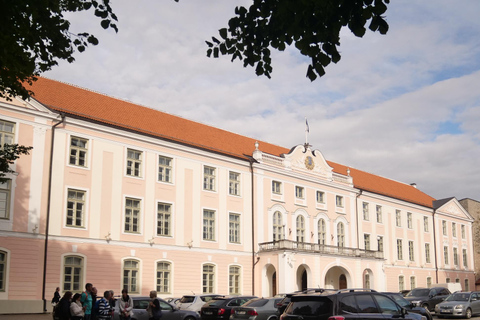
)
(307, 130)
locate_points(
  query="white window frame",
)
(165, 214)
(6, 188)
(278, 226)
(76, 202)
(81, 281)
(209, 178)
(454, 229)
(234, 183)
(139, 218)
(378, 211)
(163, 277)
(445, 255)
(401, 282)
(366, 241)
(455, 257)
(234, 280)
(131, 163)
(300, 192)
(339, 201)
(398, 218)
(465, 258)
(78, 150)
(411, 251)
(300, 228)
(380, 243)
(234, 228)
(427, 253)
(444, 227)
(366, 211)
(399, 249)
(413, 282)
(322, 234)
(341, 235)
(425, 224)
(165, 169)
(463, 230)
(210, 277)
(209, 227)
(320, 197)
(5, 133)
(409, 220)
(138, 276)
(4, 277)
(277, 187)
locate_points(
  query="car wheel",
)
(425, 306)
(272, 318)
(468, 313)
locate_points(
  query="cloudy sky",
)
(405, 105)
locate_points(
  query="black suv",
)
(219, 308)
(347, 304)
(427, 298)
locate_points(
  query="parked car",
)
(282, 305)
(256, 309)
(169, 312)
(219, 308)
(195, 302)
(404, 303)
(427, 297)
(173, 301)
(459, 304)
(404, 292)
(347, 304)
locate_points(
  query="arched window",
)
(208, 278)
(163, 277)
(340, 235)
(3, 270)
(367, 280)
(300, 229)
(130, 275)
(234, 280)
(72, 273)
(277, 226)
(321, 231)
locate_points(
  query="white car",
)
(195, 302)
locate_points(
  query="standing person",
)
(77, 311)
(126, 306)
(104, 308)
(153, 309)
(86, 301)
(94, 301)
(62, 311)
(112, 301)
(56, 296)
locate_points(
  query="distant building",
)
(125, 196)
(473, 208)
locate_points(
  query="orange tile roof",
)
(82, 103)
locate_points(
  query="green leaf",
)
(215, 40)
(215, 52)
(105, 24)
(92, 40)
(223, 33)
(81, 48)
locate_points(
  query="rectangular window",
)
(164, 219)
(447, 280)
(320, 197)
(130, 275)
(379, 214)
(72, 273)
(429, 282)
(300, 192)
(454, 229)
(425, 224)
(234, 228)
(463, 231)
(339, 201)
(401, 283)
(411, 253)
(444, 227)
(7, 133)
(412, 283)
(445, 255)
(132, 215)
(455, 256)
(78, 151)
(277, 187)
(3, 270)
(380, 243)
(366, 240)
(5, 199)
(163, 277)
(409, 220)
(465, 261)
(164, 169)
(234, 183)
(427, 252)
(467, 285)
(234, 280)
(398, 218)
(134, 163)
(208, 278)
(366, 215)
(208, 178)
(399, 249)
(75, 208)
(209, 225)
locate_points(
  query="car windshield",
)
(418, 293)
(187, 299)
(256, 303)
(458, 297)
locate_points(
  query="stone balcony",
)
(320, 249)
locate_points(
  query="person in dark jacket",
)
(62, 311)
(56, 296)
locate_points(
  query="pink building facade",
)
(124, 196)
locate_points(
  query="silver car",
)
(194, 302)
(459, 304)
(169, 312)
(256, 309)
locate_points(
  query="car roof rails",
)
(355, 290)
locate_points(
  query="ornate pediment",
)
(453, 208)
(303, 158)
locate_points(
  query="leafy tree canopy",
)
(35, 35)
(313, 26)
(8, 155)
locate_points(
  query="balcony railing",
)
(316, 248)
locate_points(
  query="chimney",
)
(414, 185)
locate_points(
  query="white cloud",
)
(379, 109)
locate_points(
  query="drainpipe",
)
(253, 229)
(48, 212)
(435, 245)
(356, 214)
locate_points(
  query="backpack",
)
(96, 307)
